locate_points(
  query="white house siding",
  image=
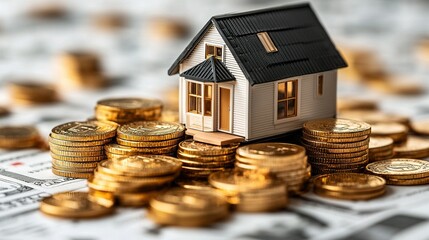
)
(310, 106)
(241, 87)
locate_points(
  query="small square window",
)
(214, 51)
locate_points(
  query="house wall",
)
(310, 106)
(241, 88)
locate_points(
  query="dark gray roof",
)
(303, 45)
(211, 70)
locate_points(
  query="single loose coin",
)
(150, 131)
(400, 168)
(84, 131)
(348, 196)
(414, 147)
(349, 182)
(21, 133)
(333, 127)
(273, 151)
(67, 143)
(421, 127)
(129, 104)
(203, 149)
(389, 130)
(73, 205)
(376, 143)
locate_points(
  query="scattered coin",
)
(396, 131)
(380, 148)
(18, 137)
(32, 93)
(414, 147)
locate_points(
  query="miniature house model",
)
(258, 74)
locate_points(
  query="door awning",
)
(211, 70)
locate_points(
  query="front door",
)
(224, 109)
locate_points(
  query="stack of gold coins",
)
(401, 171)
(398, 132)
(167, 28)
(81, 69)
(349, 186)
(146, 138)
(380, 148)
(287, 161)
(188, 208)
(18, 137)
(134, 180)
(32, 93)
(77, 147)
(74, 205)
(201, 159)
(414, 147)
(336, 145)
(125, 110)
(251, 190)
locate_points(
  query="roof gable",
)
(303, 45)
(211, 70)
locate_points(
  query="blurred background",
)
(57, 58)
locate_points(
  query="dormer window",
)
(214, 50)
(267, 42)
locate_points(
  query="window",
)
(287, 99)
(194, 97)
(212, 50)
(267, 42)
(320, 85)
(208, 100)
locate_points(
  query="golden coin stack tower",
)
(251, 191)
(133, 180)
(125, 110)
(77, 147)
(349, 186)
(199, 159)
(287, 161)
(380, 148)
(401, 171)
(336, 145)
(188, 208)
(32, 93)
(17, 137)
(146, 138)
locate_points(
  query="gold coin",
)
(376, 143)
(191, 163)
(203, 159)
(312, 149)
(129, 104)
(71, 174)
(135, 199)
(113, 185)
(335, 145)
(150, 131)
(84, 131)
(333, 139)
(348, 196)
(124, 150)
(414, 147)
(332, 127)
(164, 218)
(194, 184)
(106, 199)
(76, 149)
(339, 165)
(407, 182)
(78, 159)
(315, 154)
(202, 171)
(233, 180)
(203, 149)
(145, 166)
(15, 137)
(400, 168)
(421, 127)
(246, 164)
(124, 117)
(67, 164)
(327, 160)
(396, 131)
(78, 143)
(356, 104)
(77, 153)
(317, 171)
(273, 151)
(349, 182)
(373, 117)
(73, 205)
(151, 144)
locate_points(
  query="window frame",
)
(216, 46)
(297, 100)
(189, 95)
(318, 88)
(202, 97)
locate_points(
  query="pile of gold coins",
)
(287, 161)
(349, 186)
(413, 147)
(188, 208)
(251, 191)
(133, 180)
(18, 137)
(81, 69)
(336, 145)
(199, 159)
(380, 148)
(146, 138)
(125, 110)
(75, 205)
(401, 171)
(32, 93)
(77, 147)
